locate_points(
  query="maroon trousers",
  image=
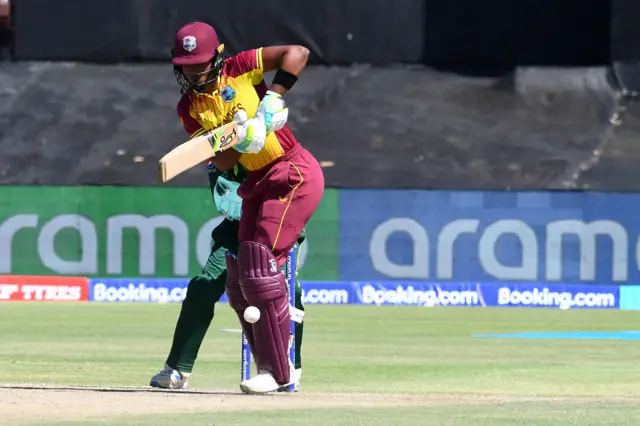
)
(278, 202)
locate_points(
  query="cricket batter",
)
(206, 289)
(282, 189)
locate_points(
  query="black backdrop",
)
(504, 33)
(461, 33)
(337, 31)
(625, 31)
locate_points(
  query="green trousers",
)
(203, 291)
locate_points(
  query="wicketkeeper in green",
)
(205, 289)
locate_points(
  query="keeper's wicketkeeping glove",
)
(225, 196)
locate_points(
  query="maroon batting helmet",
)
(197, 43)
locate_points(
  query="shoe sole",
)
(158, 386)
(248, 391)
(296, 388)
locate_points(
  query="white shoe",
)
(170, 379)
(264, 382)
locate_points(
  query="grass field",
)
(363, 365)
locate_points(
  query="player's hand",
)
(252, 133)
(225, 196)
(273, 111)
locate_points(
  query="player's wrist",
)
(284, 79)
(277, 89)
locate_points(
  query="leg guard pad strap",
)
(237, 300)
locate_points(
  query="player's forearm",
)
(291, 60)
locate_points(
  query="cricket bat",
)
(197, 150)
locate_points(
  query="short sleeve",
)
(247, 62)
(190, 124)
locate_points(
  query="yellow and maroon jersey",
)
(241, 86)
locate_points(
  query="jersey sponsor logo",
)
(283, 199)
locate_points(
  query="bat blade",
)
(197, 150)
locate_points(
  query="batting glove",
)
(273, 111)
(252, 133)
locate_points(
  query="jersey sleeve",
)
(248, 62)
(190, 124)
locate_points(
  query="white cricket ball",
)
(251, 314)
